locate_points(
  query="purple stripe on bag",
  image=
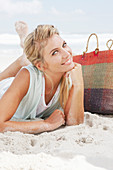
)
(98, 100)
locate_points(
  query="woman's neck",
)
(52, 82)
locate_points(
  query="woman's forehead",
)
(54, 41)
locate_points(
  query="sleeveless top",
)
(42, 105)
(28, 105)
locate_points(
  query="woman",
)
(51, 88)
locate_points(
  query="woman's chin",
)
(70, 67)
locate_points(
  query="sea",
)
(10, 48)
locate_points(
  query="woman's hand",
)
(76, 75)
(74, 110)
(56, 119)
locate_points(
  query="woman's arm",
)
(55, 120)
(10, 102)
(74, 110)
(13, 68)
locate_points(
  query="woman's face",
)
(58, 55)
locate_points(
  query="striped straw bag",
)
(97, 69)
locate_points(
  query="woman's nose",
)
(65, 53)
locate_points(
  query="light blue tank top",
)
(28, 105)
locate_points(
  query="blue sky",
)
(69, 16)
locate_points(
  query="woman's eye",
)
(54, 52)
(64, 44)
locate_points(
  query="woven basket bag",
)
(97, 67)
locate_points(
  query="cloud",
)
(76, 12)
(79, 12)
(55, 11)
(13, 7)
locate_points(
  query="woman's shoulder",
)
(32, 70)
(35, 75)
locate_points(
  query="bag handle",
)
(97, 49)
(109, 47)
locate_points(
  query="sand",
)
(88, 146)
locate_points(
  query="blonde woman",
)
(50, 90)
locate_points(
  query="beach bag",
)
(97, 67)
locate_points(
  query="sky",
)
(69, 16)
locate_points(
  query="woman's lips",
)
(69, 61)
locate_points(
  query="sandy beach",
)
(84, 147)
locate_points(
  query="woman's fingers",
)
(76, 65)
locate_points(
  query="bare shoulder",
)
(20, 85)
(23, 73)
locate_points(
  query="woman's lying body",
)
(52, 74)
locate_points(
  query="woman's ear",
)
(40, 66)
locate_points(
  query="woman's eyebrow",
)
(56, 48)
(53, 50)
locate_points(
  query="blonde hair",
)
(33, 48)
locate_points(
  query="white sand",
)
(88, 146)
